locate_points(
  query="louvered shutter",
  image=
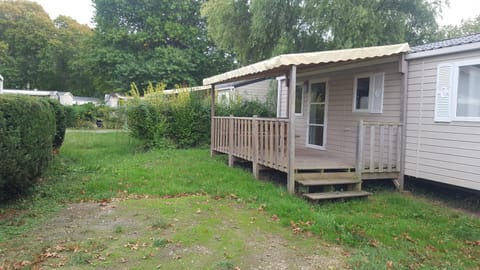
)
(443, 93)
(377, 93)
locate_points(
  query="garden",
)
(113, 199)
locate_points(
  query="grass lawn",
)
(388, 231)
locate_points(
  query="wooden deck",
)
(313, 159)
(265, 142)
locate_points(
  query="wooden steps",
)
(319, 186)
(327, 182)
(336, 195)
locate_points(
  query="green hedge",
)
(183, 120)
(60, 123)
(27, 132)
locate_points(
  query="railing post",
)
(231, 158)
(212, 121)
(291, 129)
(360, 142)
(255, 141)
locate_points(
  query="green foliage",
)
(152, 41)
(85, 116)
(182, 120)
(160, 120)
(466, 27)
(37, 52)
(245, 108)
(27, 132)
(256, 30)
(60, 123)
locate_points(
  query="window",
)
(468, 91)
(368, 93)
(317, 114)
(299, 99)
(457, 94)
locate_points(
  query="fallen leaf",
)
(389, 265)
(123, 260)
(275, 218)
(374, 243)
(408, 237)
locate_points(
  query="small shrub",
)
(27, 131)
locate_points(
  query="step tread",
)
(317, 175)
(336, 195)
(327, 182)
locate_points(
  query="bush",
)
(85, 116)
(244, 108)
(27, 131)
(60, 123)
(182, 119)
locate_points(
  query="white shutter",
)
(443, 93)
(377, 92)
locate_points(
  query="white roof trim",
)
(442, 51)
(312, 58)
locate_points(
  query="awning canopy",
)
(280, 64)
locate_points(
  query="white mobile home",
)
(344, 125)
(443, 112)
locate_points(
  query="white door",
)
(317, 103)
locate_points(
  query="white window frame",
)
(454, 96)
(371, 86)
(314, 146)
(301, 84)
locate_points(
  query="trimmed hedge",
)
(27, 132)
(60, 123)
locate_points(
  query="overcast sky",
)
(82, 10)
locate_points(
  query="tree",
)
(259, 29)
(145, 41)
(25, 29)
(36, 52)
(466, 27)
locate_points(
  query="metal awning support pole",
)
(291, 129)
(212, 121)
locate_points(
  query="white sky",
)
(82, 10)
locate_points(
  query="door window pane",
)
(362, 93)
(315, 135)
(468, 94)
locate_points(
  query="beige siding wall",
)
(341, 121)
(442, 152)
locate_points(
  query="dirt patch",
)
(180, 233)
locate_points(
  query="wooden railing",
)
(379, 147)
(260, 140)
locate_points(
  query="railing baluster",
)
(399, 146)
(390, 147)
(271, 143)
(381, 148)
(372, 148)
